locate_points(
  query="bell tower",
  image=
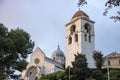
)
(80, 38)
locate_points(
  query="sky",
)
(45, 21)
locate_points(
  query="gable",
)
(112, 55)
(38, 53)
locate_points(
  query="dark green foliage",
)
(80, 69)
(91, 79)
(51, 76)
(21, 65)
(97, 74)
(114, 75)
(43, 77)
(21, 39)
(98, 58)
(15, 45)
(61, 75)
(69, 69)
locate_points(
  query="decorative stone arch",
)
(30, 68)
(31, 73)
(87, 28)
(72, 29)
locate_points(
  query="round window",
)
(37, 61)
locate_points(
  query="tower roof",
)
(79, 13)
(58, 53)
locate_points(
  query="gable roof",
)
(112, 55)
(38, 50)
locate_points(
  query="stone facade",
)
(40, 65)
(80, 39)
(112, 60)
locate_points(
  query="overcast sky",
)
(45, 21)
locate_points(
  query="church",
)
(80, 38)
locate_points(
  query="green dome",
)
(58, 53)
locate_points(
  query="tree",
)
(98, 58)
(15, 45)
(21, 65)
(80, 69)
(109, 5)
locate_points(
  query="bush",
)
(90, 79)
(97, 74)
(114, 75)
(60, 75)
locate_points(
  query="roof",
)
(112, 55)
(79, 13)
(57, 64)
(58, 53)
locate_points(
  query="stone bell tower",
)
(80, 38)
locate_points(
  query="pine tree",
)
(15, 45)
(98, 58)
(80, 69)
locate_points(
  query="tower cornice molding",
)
(79, 18)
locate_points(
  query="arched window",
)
(89, 38)
(70, 40)
(87, 28)
(72, 29)
(76, 37)
(85, 36)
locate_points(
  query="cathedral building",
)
(80, 38)
(40, 64)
